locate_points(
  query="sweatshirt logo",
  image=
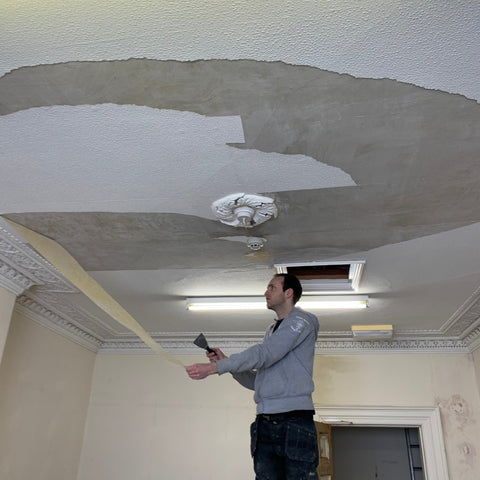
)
(299, 325)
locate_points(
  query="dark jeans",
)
(284, 448)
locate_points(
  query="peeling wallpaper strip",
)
(71, 269)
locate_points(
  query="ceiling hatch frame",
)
(314, 280)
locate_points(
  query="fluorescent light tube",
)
(258, 303)
(226, 303)
(370, 332)
(324, 302)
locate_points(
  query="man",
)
(279, 370)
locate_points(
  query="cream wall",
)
(476, 361)
(147, 420)
(7, 301)
(45, 384)
(447, 381)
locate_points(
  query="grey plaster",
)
(414, 154)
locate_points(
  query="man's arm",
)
(246, 379)
(295, 329)
(199, 371)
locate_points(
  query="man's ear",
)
(289, 292)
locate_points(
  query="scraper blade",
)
(201, 342)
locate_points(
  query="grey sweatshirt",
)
(280, 368)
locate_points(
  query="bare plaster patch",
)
(424, 43)
(412, 153)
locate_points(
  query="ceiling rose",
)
(244, 210)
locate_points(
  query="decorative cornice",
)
(465, 317)
(41, 314)
(22, 267)
(74, 313)
(392, 346)
(234, 343)
(182, 344)
(13, 280)
(473, 339)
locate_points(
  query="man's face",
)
(274, 294)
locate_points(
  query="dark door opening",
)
(376, 453)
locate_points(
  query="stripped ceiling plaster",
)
(354, 166)
(429, 44)
(384, 151)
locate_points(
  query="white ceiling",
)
(132, 150)
(121, 122)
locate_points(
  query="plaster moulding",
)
(52, 306)
(466, 319)
(343, 347)
(57, 323)
(12, 280)
(24, 267)
(182, 344)
(472, 340)
(244, 210)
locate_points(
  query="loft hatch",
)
(323, 277)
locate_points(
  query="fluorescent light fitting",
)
(226, 303)
(337, 302)
(372, 332)
(258, 303)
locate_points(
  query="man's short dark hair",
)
(291, 281)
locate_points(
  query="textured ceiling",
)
(118, 157)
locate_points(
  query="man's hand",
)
(218, 355)
(199, 371)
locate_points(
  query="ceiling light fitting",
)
(244, 210)
(372, 332)
(311, 302)
(255, 243)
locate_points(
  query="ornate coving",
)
(465, 318)
(235, 343)
(41, 314)
(13, 280)
(75, 314)
(182, 344)
(23, 267)
(394, 346)
(473, 339)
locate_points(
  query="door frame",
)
(427, 419)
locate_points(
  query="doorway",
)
(366, 453)
(424, 420)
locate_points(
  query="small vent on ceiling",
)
(319, 277)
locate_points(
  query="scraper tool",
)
(201, 342)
